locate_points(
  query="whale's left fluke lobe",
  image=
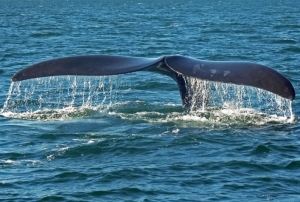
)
(90, 65)
(240, 73)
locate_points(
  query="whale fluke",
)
(240, 73)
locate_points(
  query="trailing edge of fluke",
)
(240, 73)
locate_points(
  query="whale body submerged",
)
(240, 73)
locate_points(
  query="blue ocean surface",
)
(127, 137)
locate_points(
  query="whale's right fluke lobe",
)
(240, 73)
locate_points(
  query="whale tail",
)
(240, 73)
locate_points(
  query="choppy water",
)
(126, 137)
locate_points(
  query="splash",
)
(67, 97)
(63, 97)
(205, 95)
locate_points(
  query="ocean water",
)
(127, 137)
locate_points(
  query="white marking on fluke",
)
(213, 71)
(196, 68)
(226, 73)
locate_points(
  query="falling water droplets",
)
(52, 95)
(224, 100)
(65, 97)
